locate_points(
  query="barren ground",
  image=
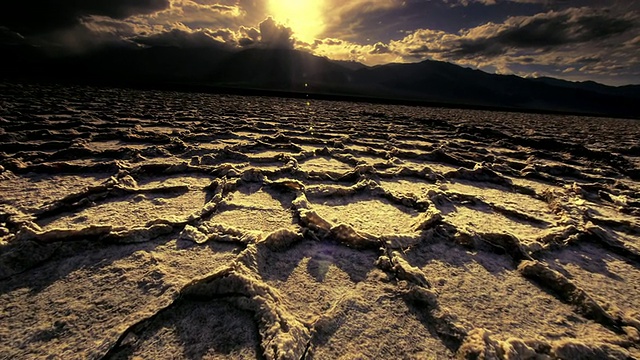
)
(161, 225)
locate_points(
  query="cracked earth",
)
(164, 225)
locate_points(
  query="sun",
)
(304, 17)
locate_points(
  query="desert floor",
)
(165, 225)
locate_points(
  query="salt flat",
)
(184, 225)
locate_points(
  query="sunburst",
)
(304, 17)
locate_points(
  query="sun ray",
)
(304, 17)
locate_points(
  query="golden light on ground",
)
(304, 17)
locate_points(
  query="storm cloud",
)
(544, 30)
(275, 35)
(181, 39)
(33, 17)
(506, 36)
(539, 33)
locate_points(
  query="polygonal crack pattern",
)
(147, 224)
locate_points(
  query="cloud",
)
(275, 35)
(345, 19)
(195, 15)
(184, 39)
(226, 36)
(269, 34)
(589, 39)
(8, 37)
(544, 30)
(30, 17)
(380, 48)
(338, 49)
(539, 33)
(454, 3)
(248, 36)
(82, 38)
(592, 40)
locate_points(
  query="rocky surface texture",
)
(161, 225)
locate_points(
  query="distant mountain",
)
(277, 69)
(429, 82)
(351, 65)
(445, 82)
(626, 90)
(115, 64)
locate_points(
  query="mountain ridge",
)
(285, 70)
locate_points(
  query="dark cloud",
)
(558, 29)
(332, 41)
(419, 51)
(245, 42)
(225, 35)
(588, 59)
(269, 34)
(380, 48)
(546, 30)
(33, 17)
(249, 36)
(250, 32)
(496, 2)
(181, 39)
(275, 35)
(520, 36)
(8, 37)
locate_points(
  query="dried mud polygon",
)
(155, 225)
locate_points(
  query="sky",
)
(570, 39)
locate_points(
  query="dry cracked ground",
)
(165, 225)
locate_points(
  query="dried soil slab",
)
(415, 187)
(114, 145)
(320, 273)
(197, 330)
(255, 209)
(77, 307)
(370, 159)
(132, 211)
(160, 129)
(538, 186)
(249, 134)
(359, 148)
(255, 196)
(485, 291)
(418, 165)
(501, 196)
(265, 220)
(370, 214)
(172, 160)
(481, 219)
(214, 145)
(349, 300)
(607, 212)
(325, 165)
(271, 153)
(196, 181)
(419, 143)
(632, 240)
(30, 192)
(368, 328)
(607, 277)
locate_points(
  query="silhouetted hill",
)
(295, 71)
(627, 90)
(445, 82)
(116, 64)
(278, 69)
(351, 65)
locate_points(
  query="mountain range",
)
(295, 72)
